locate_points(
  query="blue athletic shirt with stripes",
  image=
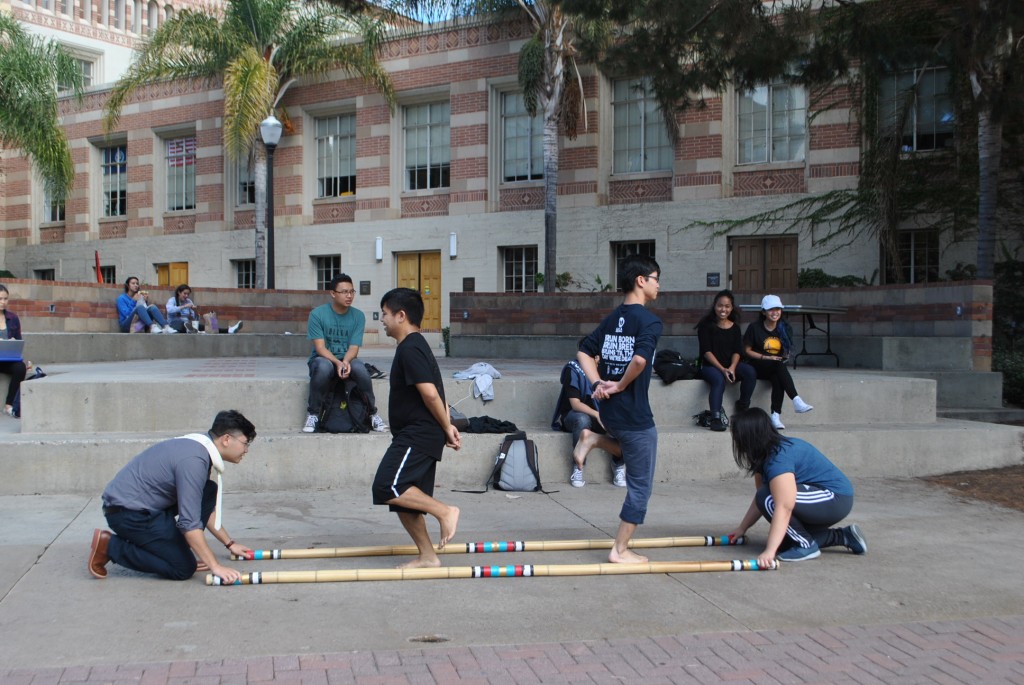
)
(808, 465)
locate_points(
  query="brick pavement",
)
(975, 651)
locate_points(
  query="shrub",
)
(817, 278)
(1011, 365)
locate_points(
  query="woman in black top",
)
(721, 347)
(10, 329)
(766, 344)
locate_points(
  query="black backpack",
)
(670, 367)
(347, 410)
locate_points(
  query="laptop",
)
(11, 350)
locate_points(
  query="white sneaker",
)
(377, 424)
(155, 329)
(800, 406)
(311, 421)
(777, 421)
(619, 479)
(576, 479)
(168, 329)
(237, 327)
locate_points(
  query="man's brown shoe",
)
(98, 557)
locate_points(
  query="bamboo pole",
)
(520, 571)
(487, 547)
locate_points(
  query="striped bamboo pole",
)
(521, 571)
(487, 547)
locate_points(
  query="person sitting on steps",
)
(134, 304)
(766, 345)
(721, 345)
(336, 330)
(576, 412)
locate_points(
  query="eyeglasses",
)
(653, 278)
(345, 292)
(245, 443)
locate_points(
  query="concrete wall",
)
(933, 326)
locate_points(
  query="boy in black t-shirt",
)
(420, 427)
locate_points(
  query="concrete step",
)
(175, 395)
(61, 463)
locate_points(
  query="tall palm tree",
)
(548, 74)
(259, 48)
(30, 71)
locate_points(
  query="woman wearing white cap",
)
(766, 345)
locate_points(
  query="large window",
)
(245, 185)
(520, 269)
(86, 67)
(53, 208)
(245, 273)
(918, 257)
(772, 125)
(920, 101)
(115, 181)
(620, 251)
(181, 173)
(427, 146)
(336, 156)
(327, 267)
(522, 142)
(641, 141)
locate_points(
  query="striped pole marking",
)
(523, 571)
(488, 547)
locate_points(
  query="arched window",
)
(152, 15)
(168, 12)
(119, 14)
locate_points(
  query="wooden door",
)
(421, 271)
(764, 264)
(747, 263)
(430, 289)
(172, 275)
(780, 263)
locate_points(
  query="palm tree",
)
(30, 71)
(548, 74)
(259, 48)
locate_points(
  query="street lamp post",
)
(270, 132)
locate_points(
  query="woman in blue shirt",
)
(799, 491)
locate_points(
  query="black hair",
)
(3, 289)
(404, 300)
(754, 439)
(129, 279)
(179, 290)
(340, 278)
(633, 266)
(711, 317)
(232, 421)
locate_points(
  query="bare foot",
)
(627, 557)
(587, 442)
(449, 522)
(420, 562)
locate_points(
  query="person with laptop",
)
(10, 329)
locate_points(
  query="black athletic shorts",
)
(400, 469)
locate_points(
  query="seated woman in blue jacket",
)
(798, 490)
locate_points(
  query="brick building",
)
(445, 193)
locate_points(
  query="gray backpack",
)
(516, 467)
